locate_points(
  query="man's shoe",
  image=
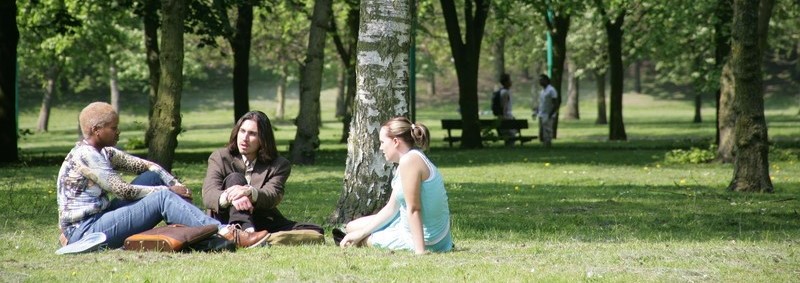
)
(244, 239)
(89, 243)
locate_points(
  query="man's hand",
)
(238, 191)
(243, 204)
(182, 191)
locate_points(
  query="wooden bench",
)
(487, 125)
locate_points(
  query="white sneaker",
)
(89, 243)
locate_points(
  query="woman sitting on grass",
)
(89, 174)
(418, 194)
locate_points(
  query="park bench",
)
(487, 125)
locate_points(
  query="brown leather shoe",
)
(245, 239)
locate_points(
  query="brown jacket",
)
(268, 179)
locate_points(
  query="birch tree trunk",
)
(166, 120)
(751, 144)
(382, 76)
(306, 140)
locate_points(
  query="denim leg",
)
(145, 214)
(148, 178)
(125, 218)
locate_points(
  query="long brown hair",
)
(267, 150)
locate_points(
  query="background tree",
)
(9, 39)
(751, 158)
(48, 33)
(613, 17)
(279, 48)
(573, 83)
(166, 120)
(150, 23)
(345, 40)
(588, 48)
(723, 15)
(557, 17)
(382, 89)
(466, 57)
(306, 140)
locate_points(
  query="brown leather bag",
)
(170, 238)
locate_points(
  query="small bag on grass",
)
(170, 238)
(295, 237)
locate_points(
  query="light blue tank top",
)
(435, 210)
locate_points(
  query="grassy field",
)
(585, 210)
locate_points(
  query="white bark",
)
(381, 91)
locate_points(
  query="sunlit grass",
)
(585, 210)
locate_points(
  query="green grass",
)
(585, 210)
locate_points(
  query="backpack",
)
(497, 103)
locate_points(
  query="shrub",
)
(691, 156)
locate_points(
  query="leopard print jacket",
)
(87, 176)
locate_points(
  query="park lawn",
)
(585, 210)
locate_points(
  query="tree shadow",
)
(614, 213)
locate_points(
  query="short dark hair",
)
(544, 77)
(267, 151)
(505, 78)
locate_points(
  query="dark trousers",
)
(260, 219)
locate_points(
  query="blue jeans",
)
(124, 218)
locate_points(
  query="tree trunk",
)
(466, 56)
(558, 32)
(280, 93)
(44, 111)
(113, 84)
(615, 38)
(9, 39)
(572, 92)
(698, 104)
(751, 147)
(726, 117)
(432, 84)
(341, 91)
(383, 75)
(500, 51)
(347, 54)
(166, 124)
(600, 77)
(637, 76)
(151, 19)
(306, 140)
(240, 43)
(724, 95)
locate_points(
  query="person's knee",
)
(234, 179)
(148, 178)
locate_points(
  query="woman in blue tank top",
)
(417, 216)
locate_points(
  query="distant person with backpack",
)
(548, 107)
(501, 107)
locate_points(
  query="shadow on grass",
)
(616, 213)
